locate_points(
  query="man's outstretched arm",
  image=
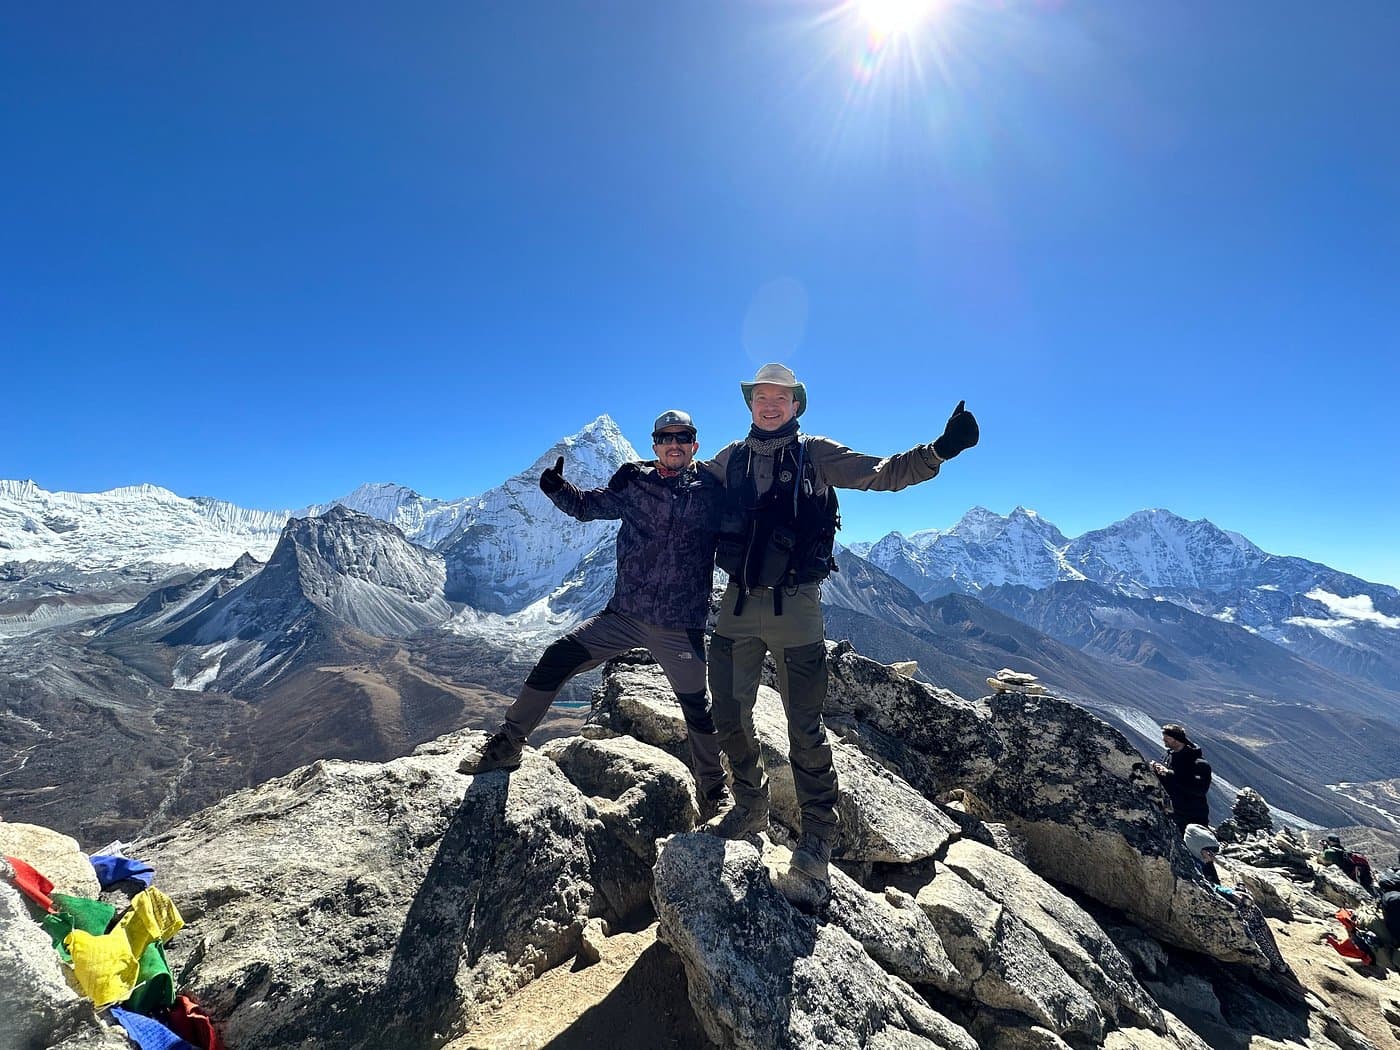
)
(585, 505)
(845, 468)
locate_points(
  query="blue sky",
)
(268, 252)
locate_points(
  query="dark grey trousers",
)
(797, 640)
(681, 654)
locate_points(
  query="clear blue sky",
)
(270, 251)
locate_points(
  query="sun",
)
(890, 18)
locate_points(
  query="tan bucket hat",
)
(777, 375)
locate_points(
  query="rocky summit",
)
(1006, 877)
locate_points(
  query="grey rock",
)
(763, 975)
(998, 1030)
(39, 1008)
(635, 698)
(1066, 783)
(1004, 962)
(359, 905)
(639, 791)
(54, 855)
(1332, 884)
(640, 794)
(890, 926)
(883, 818)
(1282, 851)
(1071, 937)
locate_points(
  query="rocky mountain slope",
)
(1006, 878)
(355, 638)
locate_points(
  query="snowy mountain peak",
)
(344, 542)
(978, 525)
(19, 490)
(380, 490)
(128, 526)
(590, 456)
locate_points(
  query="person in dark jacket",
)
(665, 567)
(1185, 776)
(776, 545)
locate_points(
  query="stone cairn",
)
(1248, 816)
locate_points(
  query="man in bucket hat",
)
(776, 544)
(665, 568)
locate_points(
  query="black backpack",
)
(1390, 909)
(1388, 881)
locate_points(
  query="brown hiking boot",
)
(500, 752)
(715, 803)
(739, 821)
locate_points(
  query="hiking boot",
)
(715, 803)
(500, 752)
(811, 856)
(739, 821)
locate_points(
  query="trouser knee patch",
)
(806, 661)
(557, 665)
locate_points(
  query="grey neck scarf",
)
(766, 442)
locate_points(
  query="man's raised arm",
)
(590, 505)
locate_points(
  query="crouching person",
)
(1204, 849)
(665, 566)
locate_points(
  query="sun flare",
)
(889, 18)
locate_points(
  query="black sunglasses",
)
(673, 438)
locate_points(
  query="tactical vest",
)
(785, 537)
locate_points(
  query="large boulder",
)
(1073, 939)
(1004, 963)
(361, 905)
(1069, 786)
(38, 1008)
(640, 794)
(638, 791)
(890, 926)
(764, 976)
(54, 855)
(883, 819)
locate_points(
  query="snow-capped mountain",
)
(1331, 618)
(982, 550)
(339, 569)
(422, 519)
(124, 527)
(1156, 549)
(514, 547)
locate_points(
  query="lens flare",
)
(890, 18)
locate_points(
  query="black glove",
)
(552, 480)
(624, 476)
(959, 435)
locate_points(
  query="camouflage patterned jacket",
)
(666, 546)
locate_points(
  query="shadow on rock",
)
(418, 998)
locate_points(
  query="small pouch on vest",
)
(777, 556)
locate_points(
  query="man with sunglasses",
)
(665, 566)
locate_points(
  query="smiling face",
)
(673, 454)
(772, 406)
